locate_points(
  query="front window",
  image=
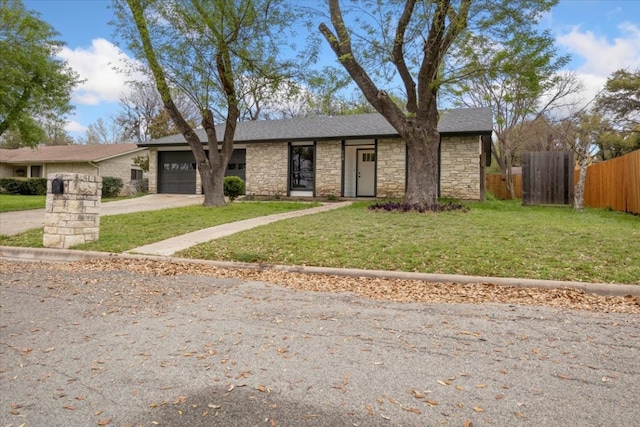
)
(302, 160)
(36, 171)
(136, 174)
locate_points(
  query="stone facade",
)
(267, 169)
(153, 170)
(460, 167)
(72, 217)
(328, 168)
(79, 167)
(6, 171)
(391, 168)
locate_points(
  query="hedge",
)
(24, 186)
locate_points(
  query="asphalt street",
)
(87, 348)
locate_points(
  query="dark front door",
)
(176, 172)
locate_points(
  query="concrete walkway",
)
(170, 246)
(12, 223)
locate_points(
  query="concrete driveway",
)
(12, 223)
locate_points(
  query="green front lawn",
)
(12, 202)
(119, 233)
(15, 202)
(497, 238)
(492, 239)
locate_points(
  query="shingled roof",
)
(467, 120)
(66, 153)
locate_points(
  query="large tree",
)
(202, 48)
(621, 98)
(619, 104)
(410, 41)
(35, 86)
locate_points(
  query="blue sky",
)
(601, 35)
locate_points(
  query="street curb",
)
(68, 255)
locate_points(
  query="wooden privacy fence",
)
(614, 184)
(497, 185)
(547, 178)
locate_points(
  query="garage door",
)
(176, 172)
(237, 164)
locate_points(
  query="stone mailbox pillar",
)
(73, 210)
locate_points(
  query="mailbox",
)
(57, 186)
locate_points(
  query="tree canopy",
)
(410, 42)
(204, 49)
(35, 86)
(621, 98)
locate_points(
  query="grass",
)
(496, 238)
(12, 202)
(119, 233)
(493, 239)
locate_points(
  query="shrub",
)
(417, 207)
(233, 187)
(25, 187)
(111, 187)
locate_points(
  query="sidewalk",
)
(170, 246)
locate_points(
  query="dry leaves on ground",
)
(400, 290)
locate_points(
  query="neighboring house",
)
(344, 156)
(113, 160)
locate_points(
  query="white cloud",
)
(599, 56)
(75, 127)
(97, 65)
(602, 56)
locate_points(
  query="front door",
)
(366, 172)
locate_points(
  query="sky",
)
(601, 36)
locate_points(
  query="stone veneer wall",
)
(83, 168)
(153, 170)
(73, 217)
(391, 168)
(120, 167)
(267, 169)
(6, 171)
(328, 168)
(460, 167)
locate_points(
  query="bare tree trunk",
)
(505, 165)
(578, 199)
(212, 186)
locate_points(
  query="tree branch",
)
(398, 56)
(341, 45)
